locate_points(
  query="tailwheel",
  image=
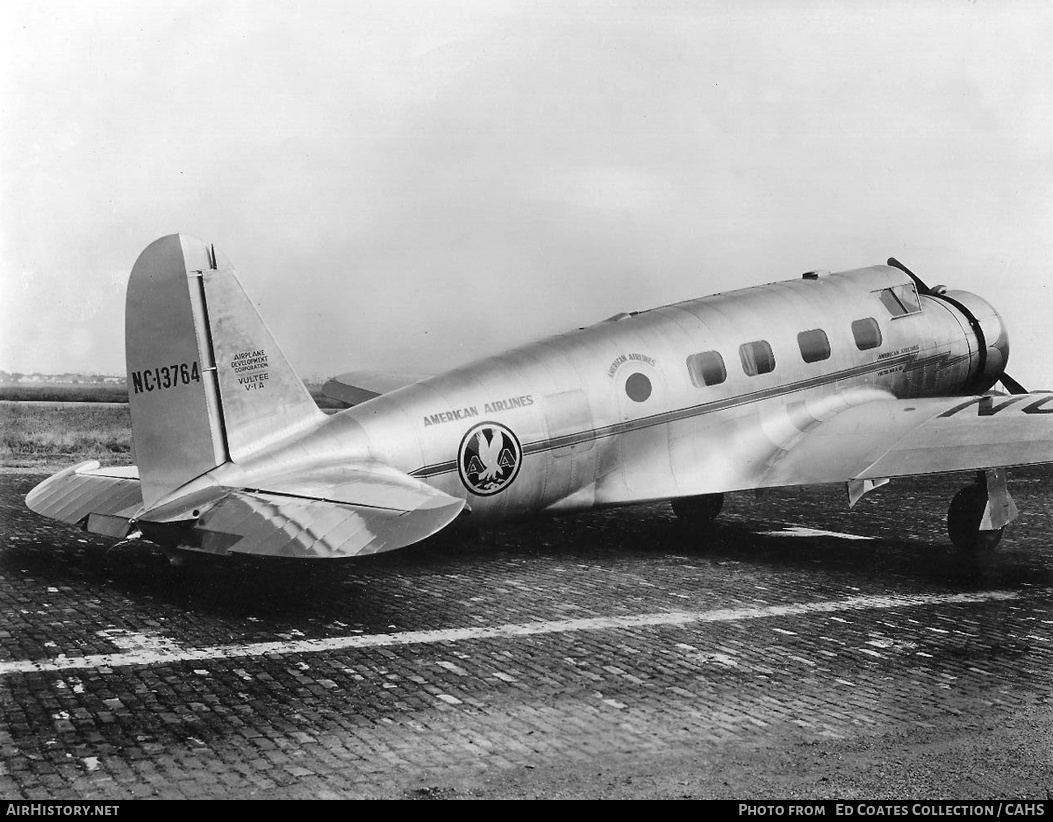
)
(698, 510)
(964, 518)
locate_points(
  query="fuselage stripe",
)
(910, 359)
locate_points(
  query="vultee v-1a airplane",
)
(854, 377)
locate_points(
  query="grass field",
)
(50, 437)
(53, 436)
(88, 392)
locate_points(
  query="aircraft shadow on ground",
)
(371, 590)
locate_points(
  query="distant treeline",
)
(16, 377)
(105, 392)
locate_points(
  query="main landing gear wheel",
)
(699, 510)
(963, 521)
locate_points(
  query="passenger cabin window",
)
(814, 345)
(867, 333)
(756, 358)
(900, 300)
(706, 368)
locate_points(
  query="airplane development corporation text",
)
(996, 809)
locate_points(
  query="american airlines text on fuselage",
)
(473, 410)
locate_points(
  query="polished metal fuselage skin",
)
(586, 442)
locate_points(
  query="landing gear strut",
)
(698, 510)
(979, 512)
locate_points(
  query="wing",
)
(355, 387)
(340, 511)
(856, 437)
(894, 438)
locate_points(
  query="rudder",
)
(207, 383)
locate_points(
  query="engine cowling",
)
(989, 345)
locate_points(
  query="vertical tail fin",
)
(207, 383)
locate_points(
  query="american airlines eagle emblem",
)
(488, 459)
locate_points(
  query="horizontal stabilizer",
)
(355, 387)
(81, 490)
(335, 511)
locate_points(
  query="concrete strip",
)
(167, 652)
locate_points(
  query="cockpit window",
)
(900, 300)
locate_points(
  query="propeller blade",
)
(922, 288)
(1011, 385)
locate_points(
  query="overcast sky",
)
(408, 186)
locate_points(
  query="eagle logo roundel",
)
(488, 459)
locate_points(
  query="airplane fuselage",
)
(638, 407)
(855, 377)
